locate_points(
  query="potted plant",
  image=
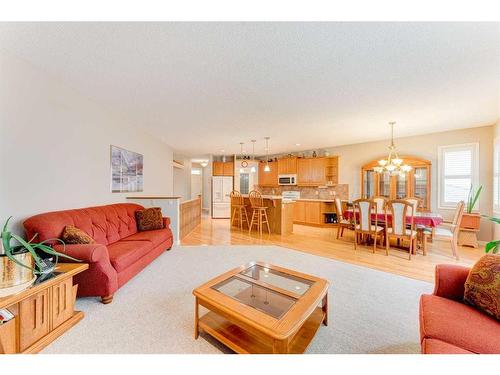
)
(20, 264)
(471, 220)
(493, 246)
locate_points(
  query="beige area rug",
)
(370, 311)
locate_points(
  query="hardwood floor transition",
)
(323, 242)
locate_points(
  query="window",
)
(496, 174)
(458, 170)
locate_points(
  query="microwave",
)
(287, 179)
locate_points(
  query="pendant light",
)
(394, 165)
(267, 168)
(241, 153)
(253, 169)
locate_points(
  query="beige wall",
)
(496, 227)
(55, 146)
(352, 157)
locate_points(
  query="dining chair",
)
(398, 226)
(380, 202)
(259, 212)
(363, 223)
(415, 202)
(239, 209)
(342, 223)
(449, 231)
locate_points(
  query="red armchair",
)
(120, 251)
(449, 326)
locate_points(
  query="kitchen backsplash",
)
(340, 190)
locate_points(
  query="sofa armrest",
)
(166, 222)
(450, 281)
(87, 253)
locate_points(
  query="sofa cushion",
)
(435, 346)
(482, 287)
(458, 324)
(149, 219)
(156, 237)
(73, 236)
(123, 253)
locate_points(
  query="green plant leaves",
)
(473, 198)
(493, 246)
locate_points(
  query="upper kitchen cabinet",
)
(317, 171)
(268, 178)
(287, 165)
(220, 168)
(416, 183)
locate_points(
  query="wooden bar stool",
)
(259, 212)
(239, 209)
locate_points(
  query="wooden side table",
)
(468, 237)
(42, 312)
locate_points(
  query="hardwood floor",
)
(322, 242)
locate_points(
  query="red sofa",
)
(120, 251)
(448, 325)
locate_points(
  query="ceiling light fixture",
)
(267, 168)
(394, 165)
(203, 164)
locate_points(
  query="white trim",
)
(475, 171)
(496, 160)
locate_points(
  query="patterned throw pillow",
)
(72, 235)
(482, 288)
(149, 219)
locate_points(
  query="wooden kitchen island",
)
(279, 213)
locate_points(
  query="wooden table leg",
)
(196, 318)
(324, 307)
(280, 346)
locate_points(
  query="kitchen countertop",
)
(265, 196)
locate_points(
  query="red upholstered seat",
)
(120, 252)
(123, 254)
(448, 325)
(434, 346)
(459, 324)
(156, 237)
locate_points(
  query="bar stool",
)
(239, 209)
(259, 212)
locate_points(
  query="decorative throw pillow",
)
(149, 219)
(482, 288)
(72, 235)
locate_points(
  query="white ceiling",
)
(203, 87)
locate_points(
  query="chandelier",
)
(393, 164)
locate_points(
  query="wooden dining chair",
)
(380, 202)
(398, 226)
(259, 212)
(415, 202)
(363, 223)
(239, 209)
(342, 223)
(449, 231)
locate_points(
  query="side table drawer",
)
(34, 318)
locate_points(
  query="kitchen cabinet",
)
(416, 183)
(270, 178)
(312, 171)
(313, 212)
(299, 212)
(220, 168)
(287, 165)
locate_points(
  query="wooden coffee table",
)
(261, 308)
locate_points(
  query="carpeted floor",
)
(370, 311)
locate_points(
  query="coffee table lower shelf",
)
(243, 342)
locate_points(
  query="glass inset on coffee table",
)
(260, 308)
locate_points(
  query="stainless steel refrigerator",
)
(221, 200)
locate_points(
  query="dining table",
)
(421, 220)
(425, 219)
